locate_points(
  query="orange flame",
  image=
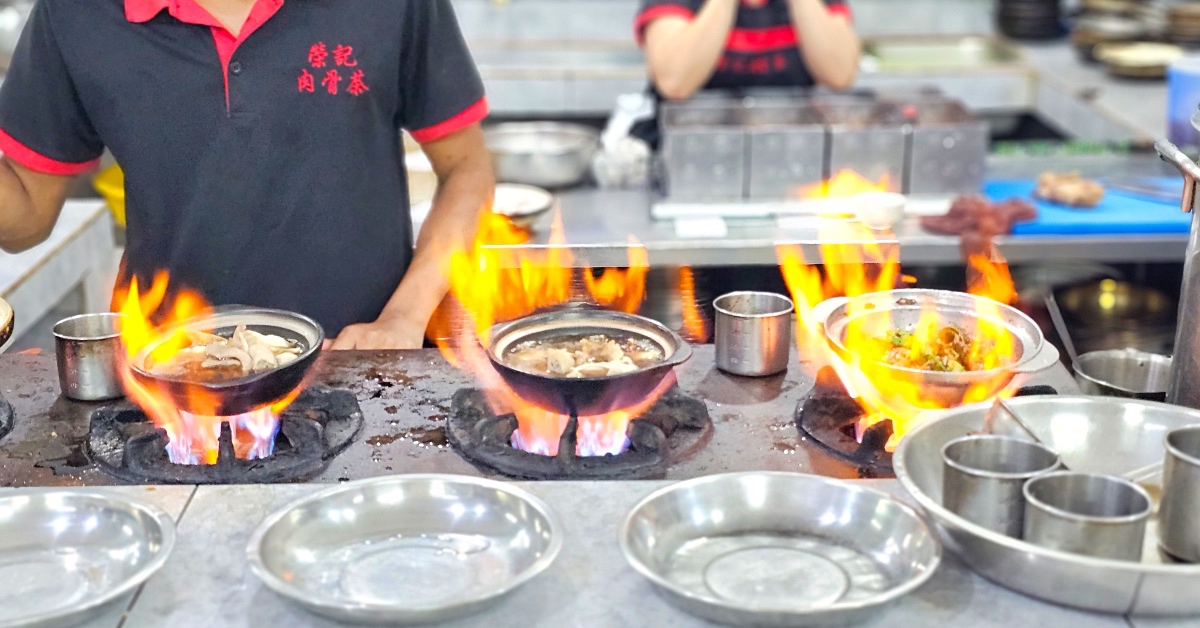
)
(856, 263)
(695, 326)
(193, 436)
(495, 282)
(845, 183)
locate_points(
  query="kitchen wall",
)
(613, 19)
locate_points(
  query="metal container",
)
(1124, 373)
(984, 476)
(588, 395)
(1101, 435)
(870, 139)
(90, 356)
(243, 394)
(405, 549)
(1092, 515)
(1179, 513)
(947, 152)
(786, 144)
(1185, 362)
(544, 154)
(878, 313)
(704, 149)
(753, 333)
(778, 549)
(67, 555)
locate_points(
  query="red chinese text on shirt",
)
(317, 55)
(306, 81)
(342, 56)
(357, 84)
(330, 82)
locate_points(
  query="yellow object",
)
(110, 183)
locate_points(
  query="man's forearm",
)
(683, 56)
(451, 226)
(29, 206)
(831, 49)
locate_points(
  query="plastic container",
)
(110, 183)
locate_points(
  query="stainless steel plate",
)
(64, 554)
(1092, 434)
(405, 549)
(778, 549)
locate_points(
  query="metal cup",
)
(1092, 515)
(753, 333)
(983, 477)
(1179, 513)
(90, 356)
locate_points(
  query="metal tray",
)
(65, 554)
(405, 549)
(1092, 434)
(778, 549)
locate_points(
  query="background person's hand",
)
(387, 333)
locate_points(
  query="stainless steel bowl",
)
(66, 554)
(405, 549)
(1099, 435)
(878, 313)
(1124, 373)
(778, 549)
(546, 154)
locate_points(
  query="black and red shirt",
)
(762, 49)
(263, 169)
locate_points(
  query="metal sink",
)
(925, 53)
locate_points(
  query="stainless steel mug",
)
(1092, 515)
(90, 356)
(983, 477)
(1179, 513)
(753, 333)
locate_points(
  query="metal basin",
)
(405, 549)
(545, 154)
(237, 396)
(1124, 373)
(778, 549)
(65, 555)
(1101, 435)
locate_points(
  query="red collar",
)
(189, 11)
(139, 11)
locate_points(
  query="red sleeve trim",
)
(842, 10)
(38, 162)
(463, 119)
(653, 13)
(760, 40)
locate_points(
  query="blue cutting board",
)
(1118, 214)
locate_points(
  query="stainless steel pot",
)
(546, 154)
(753, 333)
(90, 357)
(878, 313)
(1124, 373)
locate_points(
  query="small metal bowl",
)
(405, 549)
(65, 554)
(779, 549)
(546, 154)
(237, 396)
(1124, 373)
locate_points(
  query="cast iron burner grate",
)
(829, 416)
(319, 425)
(674, 428)
(6, 417)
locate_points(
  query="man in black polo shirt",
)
(260, 141)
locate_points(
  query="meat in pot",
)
(584, 356)
(214, 358)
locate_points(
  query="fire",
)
(844, 184)
(493, 282)
(856, 263)
(695, 326)
(193, 436)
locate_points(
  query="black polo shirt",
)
(762, 49)
(264, 169)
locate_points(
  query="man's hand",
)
(387, 333)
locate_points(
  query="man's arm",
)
(682, 54)
(830, 48)
(465, 187)
(30, 203)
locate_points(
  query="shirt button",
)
(235, 68)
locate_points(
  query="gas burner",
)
(830, 416)
(674, 428)
(6, 417)
(318, 426)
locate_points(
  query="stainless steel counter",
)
(598, 224)
(206, 581)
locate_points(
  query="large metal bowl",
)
(589, 395)
(878, 313)
(1108, 436)
(66, 554)
(243, 394)
(546, 154)
(405, 549)
(779, 549)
